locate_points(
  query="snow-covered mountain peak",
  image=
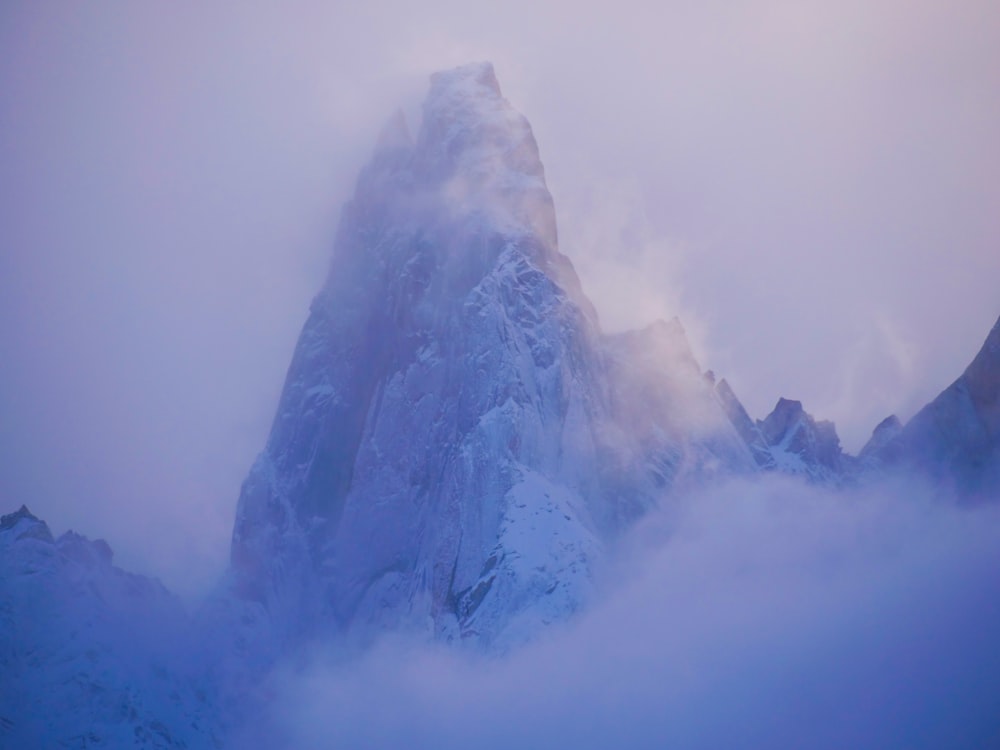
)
(786, 415)
(802, 445)
(481, 153)
(470, 77)
(23, 524)
(456, 439)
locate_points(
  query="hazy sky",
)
(813, 187)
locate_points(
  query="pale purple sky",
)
(813, 187)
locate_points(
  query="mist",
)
(759, 614)
(811, 188)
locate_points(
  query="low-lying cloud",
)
(762, 614)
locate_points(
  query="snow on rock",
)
(747, 428)
(91, 656)
(451, 383)
(801, 445)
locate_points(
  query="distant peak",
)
(30, 525)
(787, 413)
(788, 404)
(786, 409)
(885, 432)
(889, 424)
(10, 520)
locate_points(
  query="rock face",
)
(955, 439)
(801, 445)
(91, 656)
(790, 441)
(456, 439)
(748, 429)
(882, 446)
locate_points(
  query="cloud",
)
(760, 614)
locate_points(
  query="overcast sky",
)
(813, 187)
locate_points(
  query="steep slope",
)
(955, 439)
(790, 441)
(456, 440)
(91, 656)
(747, 428)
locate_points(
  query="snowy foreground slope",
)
(91, 656)
(456, 447)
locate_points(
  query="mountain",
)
(92, 656)
(799, 444)
(456, 446)
(955, 439)
(457, 440)
(790, 441)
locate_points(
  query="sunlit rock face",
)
(456, 440)
(955, 439)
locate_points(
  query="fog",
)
(761, 614)
(811, 187)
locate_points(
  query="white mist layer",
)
(761, 614)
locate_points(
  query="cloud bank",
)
(759, 615)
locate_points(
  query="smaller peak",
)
(11, 519)
(879, 445)
(783, 417)
(395, 134)
(889, 424)
(84, 550)
(787, 406)
(31, 526)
